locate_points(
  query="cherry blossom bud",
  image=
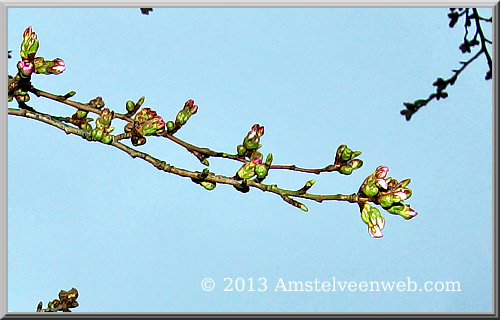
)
(381, 172)
(25, 67)
(29, 45)
(58, 66)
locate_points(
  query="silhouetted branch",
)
(442, 84)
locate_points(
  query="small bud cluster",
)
(66, 301)
(344, 158)
(254, 166)
(388, 193)
(372, 217)
(29, 65)
(103, 127)
(182, 116)
(79, 118)
(146, 123)
(96, 103)
(133, 107)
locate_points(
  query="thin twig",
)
(164, 166)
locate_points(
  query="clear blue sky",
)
(133, 239)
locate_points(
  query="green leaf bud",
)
(208, 185)
(140, 102)
(170, 126)
(269, 159)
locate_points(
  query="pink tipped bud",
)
(189, 103)
(375, 232)
(382, 183)
(257, 160)
(26, 67)
(58, 66)
(194, 108)
(27, 31)
(381, 172)
(401, 195)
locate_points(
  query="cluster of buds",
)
(103, 128)
(66, 301)
(388, 192)
(96, 103)
(20, 95)
(255, 167)
(19, 86)
(372, 217)
(55, 66)
(251, 141)
(146, 123)
(182, 116)
(79, 118)
(345, 159)
(133, 107)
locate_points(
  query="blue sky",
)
(133, 239)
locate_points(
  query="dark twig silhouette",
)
(477, 40)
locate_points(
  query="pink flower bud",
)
(189, 103)
(381, 172)
(257, 160)
(27, 31)
(375, 232)
(26, 67)
(382, 183)
(58, 66)
(194, 108)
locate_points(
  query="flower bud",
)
(385, 201)
(382, 183)
(346, 154)
(241, 150)
(29, 45)
(355, 163)
(370, 190)
(261, 171)
(372, 217)
(247, 170)
(130, 106)
(25, 67)
(381, 172)
(58, 66)
(345, 169)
